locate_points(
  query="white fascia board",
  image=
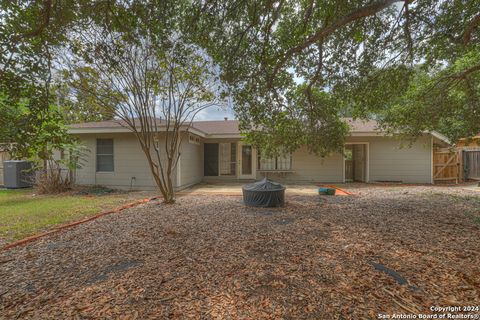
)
(197, 132)
(367, 134)
(435, 134)
(224, 136)
(97, 130)
(123, 130)
(440, 137)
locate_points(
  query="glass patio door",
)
(246, 160)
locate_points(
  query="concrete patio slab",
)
(236, 189)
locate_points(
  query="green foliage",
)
(29, 134)
(309, 118)
(413, 100)
(82, 104)
(293, 67)
(377, 59)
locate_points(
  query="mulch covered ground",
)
(384, 250)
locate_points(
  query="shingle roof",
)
(207, 127)
(218, 127)
(362, 125)
(221, 126)
(98, 124)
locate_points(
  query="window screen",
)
(210, 159)
(104, 155)
(228, 158)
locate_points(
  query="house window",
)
(280, 163)
(104, 155)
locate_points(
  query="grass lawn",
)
(23, 213)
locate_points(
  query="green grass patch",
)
(469, 204)
(475, 217)
(23, 213)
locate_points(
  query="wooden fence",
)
(447, 166)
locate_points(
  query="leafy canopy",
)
(294, 68)
(413, 65)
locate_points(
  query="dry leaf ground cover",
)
(210, 257)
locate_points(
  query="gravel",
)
(211, 257)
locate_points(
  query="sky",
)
(215, 113)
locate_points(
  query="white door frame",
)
(179, 172)
(367, 160)
(239, 162)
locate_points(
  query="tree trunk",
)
(166, 189)
(169, 197)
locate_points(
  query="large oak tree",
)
(293, 68)
(297, 67)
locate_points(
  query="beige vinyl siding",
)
(129, 161)
(388, 161)
(308, 167)
(393, 160)
(191, 163)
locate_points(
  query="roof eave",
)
(126, 130)
(440, 137)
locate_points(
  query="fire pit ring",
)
(264, 193)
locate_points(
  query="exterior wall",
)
(307, 167)
(387, 161)
(390, 161)
(129, 161)
(190, 164)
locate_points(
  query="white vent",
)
(193, 139)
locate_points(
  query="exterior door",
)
(472, 164)
(246, 161)
(359, 162)
(210, 159)
(356, 162)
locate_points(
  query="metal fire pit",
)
(264, 193)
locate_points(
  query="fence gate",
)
(471, 164)
(446, 165)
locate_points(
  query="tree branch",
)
(357, 14)
(467, 35)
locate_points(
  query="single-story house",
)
(214, 151)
